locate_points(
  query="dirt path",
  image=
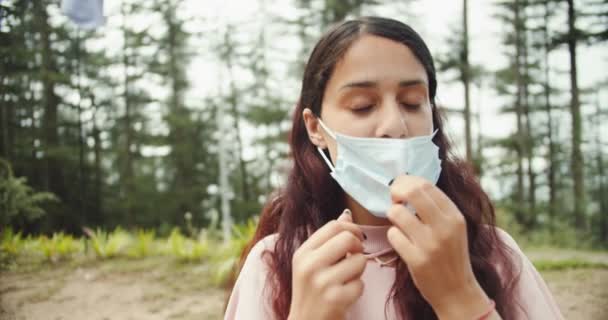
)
(581, 293)
(154, 289)
(120, 290)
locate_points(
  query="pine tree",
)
(456, 59)
(511, 82)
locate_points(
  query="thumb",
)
(345, 216)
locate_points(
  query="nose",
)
(392, 123)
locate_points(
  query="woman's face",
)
(378, 89)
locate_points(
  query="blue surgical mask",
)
(365, 167)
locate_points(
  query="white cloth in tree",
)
(87, 14)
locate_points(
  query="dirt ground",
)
(120, 289)
(580, 293)
(156, 289)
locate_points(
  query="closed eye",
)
(410, 106)
(363, 109)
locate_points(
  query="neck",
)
(362, 216)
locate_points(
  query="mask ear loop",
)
(329, 164)
(326, 160)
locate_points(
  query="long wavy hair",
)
(311, 197)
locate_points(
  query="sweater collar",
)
(375, 238)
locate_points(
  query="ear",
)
(314, 129)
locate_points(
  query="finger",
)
(328, 231)
(348, 292)
(353, 290)
(425, 205)
(402, 218)
(442, 201)
(336, 248)
(403, 186)
(345, 216)
(404, 247)
(344, 271)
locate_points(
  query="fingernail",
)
(347, 211)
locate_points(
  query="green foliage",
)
(12, 242)
(545, 265)
(226, 259)
(549, 234)
(14, 245)
(186, 249)
(59, 247)
(143, 245)
(18, 199)
(109, 245)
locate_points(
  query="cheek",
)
(331, 145)
(420, 123)
(428, 115)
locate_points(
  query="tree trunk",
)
(38, 168)
(548, 109)
(528, 138)
(176, 134)
(479, 160)
(603, 210)
(239, 141)
(52, 176)
(128, 171)
(577, 163)
(237, 121)
(81, 143)
(466, 79)
(519, 193)
(4, 122)
(98, 202)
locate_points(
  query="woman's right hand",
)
(327, 270)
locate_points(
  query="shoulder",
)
(256, 254)
(510, 268)
(256, 264)
(533, 295)
(507, 239)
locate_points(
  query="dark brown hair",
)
(311, 197)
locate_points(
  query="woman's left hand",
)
(433, 244)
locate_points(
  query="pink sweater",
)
(250, 301)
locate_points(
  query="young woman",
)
(378, 219)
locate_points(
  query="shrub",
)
(17, 199)
(108, 245)
(226, 259)
(59, 246)
(186, 249)
(143, 245)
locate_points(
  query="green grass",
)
(59, 246)
(108, 245)
(186, 249)
(547, 265)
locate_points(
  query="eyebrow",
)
(372, 84)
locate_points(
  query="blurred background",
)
(147, 135)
